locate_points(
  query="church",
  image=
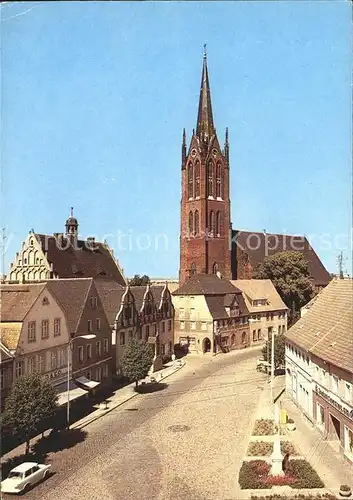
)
(208, 243)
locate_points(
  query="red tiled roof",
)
(16, 300)
(84, 260)
(206, 284)
(259, 245)
(111, 294)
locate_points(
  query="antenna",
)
(340, 265)
(3, 246)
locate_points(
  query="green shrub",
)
(306, 476)
(259, 448)
(287, 447)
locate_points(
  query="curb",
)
(108, 410)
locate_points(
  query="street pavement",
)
(184, 442)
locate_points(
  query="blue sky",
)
(95, 96)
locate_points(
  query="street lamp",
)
(86, 337)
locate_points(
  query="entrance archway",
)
(206, 345)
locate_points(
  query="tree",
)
(279, 358)
(290, 275)
(31, 401)
(138, 280)
(137, 360)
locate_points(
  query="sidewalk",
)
(118, 398)
(330, 465)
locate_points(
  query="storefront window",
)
(320, 414)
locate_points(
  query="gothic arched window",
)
(196, 223)
(222, 184)
(215, 268)
(197, 179)
(191, 224)
(218, 224)
(190, 181)
(193, 268)
(218, 181)
(210, 179)
(212, 224)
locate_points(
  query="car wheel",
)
(46, 474)
(26, 488)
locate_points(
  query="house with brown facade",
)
(319, 364)
(143, 313)
(64, 255)
(267, 311)
(207, 242)
(210, 315)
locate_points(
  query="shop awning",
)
(88, 384)
(74, 392)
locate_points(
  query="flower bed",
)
(255, 474)
(325, 496)
(265, 448)
(264, 427)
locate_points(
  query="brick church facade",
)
(208, 244)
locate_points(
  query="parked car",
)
(23, 476)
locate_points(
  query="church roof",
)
(259, 245)
(84, 259)
(326, 329)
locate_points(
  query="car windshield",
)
(15, 474)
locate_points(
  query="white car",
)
(23, 476)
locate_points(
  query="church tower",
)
(205, 204)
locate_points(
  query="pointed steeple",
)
(183, 150)
(205, 127)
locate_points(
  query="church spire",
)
(205, 127)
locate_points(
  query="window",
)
(105, 345)
(203, 325)
(57, 327)
(105, 371)
(45, 329)
(41, 363)
(169, 325)
(62, 357)
(2, 379)
(192, 313)
(191, 222)
(218, 181)
(99, 373)
(89, 351)
(93, 302)
(140, 333)
(89, 375)
(31, 364)
(162, 349)
(259, 334)
(243, 338)
(163, 326)
(98, 348)
(80, 354)
(130, 335)
(147, 331)
(182, 325)
(193, 325)
(45, 300)
(196, 223)
(348, 392)
(53, 359)
(334, 384)
(193, 269)
(155, 329)
(98, 324)
(197, 179)
(212, 224)
(31, 331)
(218, 224)
(19, 369)
(89, 325)
(190, 180)
(254, 335)
(122, 338)
(210, 179)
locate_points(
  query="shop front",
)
(334, 418)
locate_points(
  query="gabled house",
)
(210, 315)
(267, 311)
(64, 255)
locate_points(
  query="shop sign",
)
(342, 408)
(54, 374)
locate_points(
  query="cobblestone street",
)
(184, 442)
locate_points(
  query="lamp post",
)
(86, 337)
